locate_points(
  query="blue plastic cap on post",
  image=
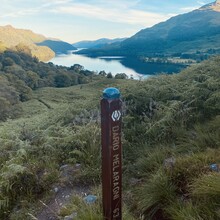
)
(111, 93)
(90, 199)
(214, 167)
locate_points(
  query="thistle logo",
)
(116, 115)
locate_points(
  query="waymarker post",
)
(111, 114)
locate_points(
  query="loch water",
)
(114, 64)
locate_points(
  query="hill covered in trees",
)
(57, 46)
(21, 74)
(97, 43)
(171, 142)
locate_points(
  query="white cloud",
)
(19, 13)
(122, 11)
(113, 14)
(55, 2)
(188, 9)
(12, 10)
(201, 3)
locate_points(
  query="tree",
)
(32, 79)
(62, 80)
(9, 100)
(77, 68)
(103, 73)
(7, 62)
(109, 76)
(22, 48)
(121, 76)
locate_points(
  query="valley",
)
(168, 74)
(194, 35)
(131, 66)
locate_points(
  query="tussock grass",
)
(183, 210)
(156, 193)
(207, 186)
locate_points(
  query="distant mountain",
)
(34, 44)
(97, 43)
(196, 31)
(57, 46)
(11, 37)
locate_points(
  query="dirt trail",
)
(62, 197)
(63, 194)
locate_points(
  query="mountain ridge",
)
(211, 6)
(197, 30)
(35, 44)
(96, 43)
(58, 46)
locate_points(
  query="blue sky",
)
(75, 20)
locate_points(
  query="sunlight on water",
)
(108, 64)
(116, 64)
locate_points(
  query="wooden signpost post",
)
(111, 114)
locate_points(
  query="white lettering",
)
(116, 213)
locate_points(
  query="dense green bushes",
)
(160, 107)
(37, 74)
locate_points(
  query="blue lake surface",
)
(131, 66)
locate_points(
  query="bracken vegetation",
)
(171, 136)
(173, 129)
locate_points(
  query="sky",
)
(76, 20)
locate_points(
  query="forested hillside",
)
(191, 35)
(171, 141)
(97, 43)
(20, 74)
(59, 47)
